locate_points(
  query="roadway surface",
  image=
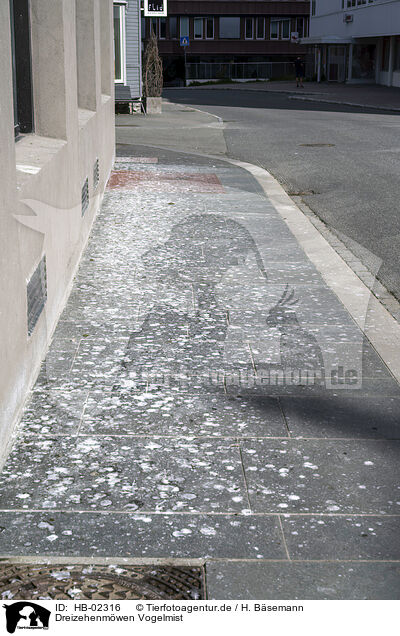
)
(350, 177)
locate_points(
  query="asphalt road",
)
(351, 180)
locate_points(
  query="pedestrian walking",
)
(300, 72)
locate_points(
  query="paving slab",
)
(124, 474)
(342, 537)
(298, 581)
(322, 475)
(180, 412)
(47, 534)
(341, 416)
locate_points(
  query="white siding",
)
(133, 48)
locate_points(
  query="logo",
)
(26, 615)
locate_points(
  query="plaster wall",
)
(42, 174)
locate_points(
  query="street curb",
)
(377, 324)
(305, 97)
(339, 103)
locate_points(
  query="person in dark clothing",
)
(300, 72)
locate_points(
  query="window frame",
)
(186, 34)
(162, 20)
(250, 21)
(21, 58)
(260, 19)
(207, 20)
(170, 18)
(285, 20)
(122, 23)
(313, 7)
(302, 22)
(277, 22)
(237, 24)
(197, 21)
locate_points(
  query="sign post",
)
(184, 41)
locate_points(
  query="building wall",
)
(133, 48)
(369, 39)
(237, 50)
(379, 18)
(42, 174)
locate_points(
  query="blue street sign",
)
(185, 41)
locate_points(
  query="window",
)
(173, 28)
(385, 54)
(153, 26)
(280, 29)
(184, 27)
(119, 43)
(229, 28)
(260, 28)
(396, 64)
(198, 28)
(313, 7)
(209, 28)
(274, 30)
(21, 66)
(285, 24)
(162, 25)
(248, 29)
(300, 27)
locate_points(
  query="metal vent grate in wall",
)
(96, 174)
(85, 196)
(36, 294)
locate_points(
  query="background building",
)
(56, 153)
(356, 40)
(239, 39)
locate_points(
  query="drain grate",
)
(96, 174)
(85, 196)
(36, 292)
(99, 582)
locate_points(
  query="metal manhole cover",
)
(317, 145)
(110, 582)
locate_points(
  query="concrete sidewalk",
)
(362, 95)
(207, 398)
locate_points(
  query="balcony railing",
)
(204, 71)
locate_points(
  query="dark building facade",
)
(239, 39)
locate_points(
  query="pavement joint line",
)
(232, 438)
(82, 415)
(174, 561)
(90, 560)
(284, 538)
(199, 561)
(233, 560)
(199, 513)
(285, 420)
(253, 364)
(244, 476)
(356, 297)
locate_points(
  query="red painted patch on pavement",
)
(165, 181)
